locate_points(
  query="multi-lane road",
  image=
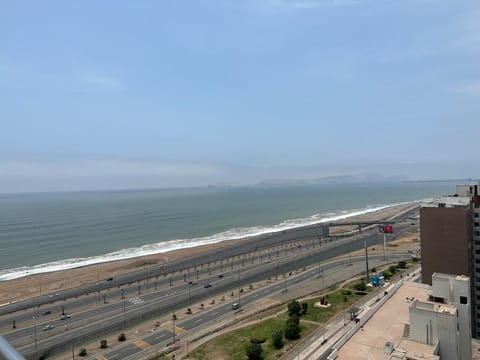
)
(114, 304)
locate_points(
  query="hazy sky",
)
(121, 94)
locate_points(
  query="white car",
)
(64, 317)
(48, 327)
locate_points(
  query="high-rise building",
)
(450, 241)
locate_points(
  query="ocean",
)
(43, 232)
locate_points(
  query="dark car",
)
(207, 286)
(48, 312)
(220, 276)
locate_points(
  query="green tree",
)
(402, 264)
(277, 339)
(82, 352)
(294, 308)
(254, 351)
(292, 330)
(122, 337)
(392, 269)
(103, 344)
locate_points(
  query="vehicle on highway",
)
(236, 306)
(64, 317)
(48, 312)
(48, 327)
(207, 286)
(220, 276)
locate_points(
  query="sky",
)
(148, 94)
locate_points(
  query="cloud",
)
(472, 89)
(104, 82)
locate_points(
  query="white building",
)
(446, 320)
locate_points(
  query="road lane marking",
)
(142, 344)
(101, 357)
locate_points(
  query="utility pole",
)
(366, 259)
(384, 246)
(174, 317)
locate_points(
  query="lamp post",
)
(35, 332)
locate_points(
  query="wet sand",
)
(35, 285)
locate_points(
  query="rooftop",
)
(449, 201)
(388, 324)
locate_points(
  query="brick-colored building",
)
(450, 241)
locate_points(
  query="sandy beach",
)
(35, 285)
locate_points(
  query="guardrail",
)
(8, 352)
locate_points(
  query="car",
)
(48, 312)
(207, 286)
(220, 276)
(48, 327)
(64, 317)
(236, 306)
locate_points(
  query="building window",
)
(463, 299)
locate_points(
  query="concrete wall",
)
(461, 288)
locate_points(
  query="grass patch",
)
(340, 300)
(232, 345)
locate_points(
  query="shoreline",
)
(244, 233)
(50, 282)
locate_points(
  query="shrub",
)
(346, 292)
(345, 299)
(82, 352)
(257, 339)
(374, 270)
(387, 274)
(415, 259)
(304, 307)
(277, 339)
(392, 269)
(360, 286)
(253, 351)
(294, 308)
(103, 344)
(402, 264)
(122, 337)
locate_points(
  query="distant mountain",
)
(340, 179)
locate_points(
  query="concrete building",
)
(445, 236)
(417, 322)
(450, 241)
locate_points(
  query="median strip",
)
(142, 344)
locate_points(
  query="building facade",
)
(450, 241)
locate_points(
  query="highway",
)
(335, 271)
(128, 303)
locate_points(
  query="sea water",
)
(44, 232)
